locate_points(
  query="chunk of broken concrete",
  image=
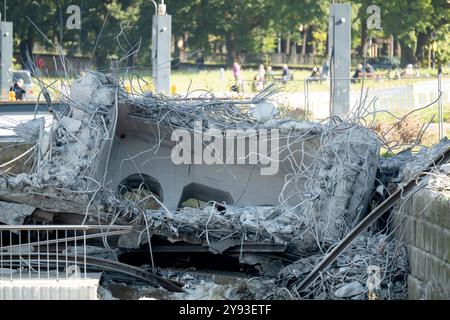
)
(350, 290)
(14, 214)
(264, 111)
(70, 124)
(29, 130)
(83, 87)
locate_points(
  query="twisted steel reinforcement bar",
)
(368, 221)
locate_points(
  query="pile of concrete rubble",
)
(321, 200)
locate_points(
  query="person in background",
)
(315, 74)
(19, 89)
(262, 72)
(285, 76)
(408, 72)
(358, 73)
(40, 63)
(325, 71)
(269, 73)
(236, 71)
(369, 69)
(236, 68)
(200, 63)
(417, 70)
(258, 83)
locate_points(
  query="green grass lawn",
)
(210, 80)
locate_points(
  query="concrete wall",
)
(424, 224)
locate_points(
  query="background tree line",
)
(229, 26)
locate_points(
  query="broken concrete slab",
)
(14, 214)
(70, 124)
(264, 111)
(350, 290)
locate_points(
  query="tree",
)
(240, 24)
(412, 22)
(41, 13)
(115, 29)
(304, 21)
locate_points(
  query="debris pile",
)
(330, 173)
(349, 276)
(68, 159)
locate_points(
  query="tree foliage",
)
(113, 29)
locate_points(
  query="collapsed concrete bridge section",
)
(109, 155)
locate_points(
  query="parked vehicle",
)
(382, 63)
(25, 75)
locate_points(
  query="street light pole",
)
(161, 48)
(340, 59)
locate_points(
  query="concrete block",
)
(433, 207)
(426, 290)
(432, 268)
(415, 288)
(427, 236)
(441, 243)
(399, 224)
(431, 238)
(415, 261)
(428, 268)
(405, 229)
(412, 231)
(404, 226)
(419, 233)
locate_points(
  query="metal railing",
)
(42, 251)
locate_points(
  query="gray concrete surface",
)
(424, 224)
(15, 288)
